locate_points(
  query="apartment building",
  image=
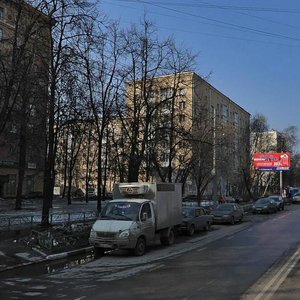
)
(180, 129)
(24, 57)
(78, 154)
(200, 134)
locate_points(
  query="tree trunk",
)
(22, 166)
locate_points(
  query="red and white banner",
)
(272, 161)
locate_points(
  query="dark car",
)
(264, 205)
(195, 219)
(190, 200)
(209, 205)
(227, 213)
(279, 201)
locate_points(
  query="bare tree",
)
(147, 99)
(261, 141)
(203, 145)
(16, 48)
(100, 56)
(288, 143)
(22, 83)
(67, 18)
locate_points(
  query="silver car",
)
(296, 198)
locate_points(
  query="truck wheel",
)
(191, 230)
(140, 247)
(168, 239)
(99, 251)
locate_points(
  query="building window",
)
(151, 96)
(1, 34)
(182, 105)
(164, 144)
(166, 93)
(181, 92)
(1, 13)
(164, 157)
(235, 119)
(181, 118)
(10, 187)
(225, 112)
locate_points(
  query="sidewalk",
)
(17, 247)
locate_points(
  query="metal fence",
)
(28, 221)
(62, 237)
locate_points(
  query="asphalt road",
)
(225, 263)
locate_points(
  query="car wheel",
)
(207, 226)
(98, 252)
(140, 247)
(191, 230)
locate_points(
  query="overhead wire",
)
(223, 24)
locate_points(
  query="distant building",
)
(24, 61)
(267, 141)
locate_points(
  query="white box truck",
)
(137, 215)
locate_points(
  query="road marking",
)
(157, 267)
(212, 281)
(271, 286)
(199, 250)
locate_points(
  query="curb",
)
(50, 257)
(68, 253)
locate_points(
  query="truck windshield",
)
(121, 211)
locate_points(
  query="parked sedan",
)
(296, 198)
(227, 213)
(208, 205)
(279, 201)
(195, 219)
(264, 205)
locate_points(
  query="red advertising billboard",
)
(272, 161)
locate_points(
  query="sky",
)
(250, 48)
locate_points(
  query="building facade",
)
(24, 56)
(201, 136)
(178, 127)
